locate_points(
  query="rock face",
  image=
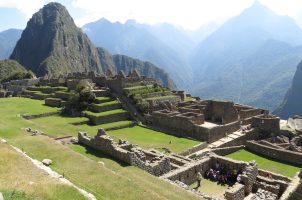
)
(121, 62)
(51, 43)
(292, 103)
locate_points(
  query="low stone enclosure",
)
(151, 161)
(254, 182)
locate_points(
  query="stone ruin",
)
(153, 162)
(209, 120)
(254, 184)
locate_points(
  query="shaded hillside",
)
(51, 43)
(8, 40)
(137, 40)
(250, 59)
(127, 64)
(292, 103)
(8, 68)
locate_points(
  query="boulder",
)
(46, 162)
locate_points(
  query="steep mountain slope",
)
(292, 103)
(137, 41)
(10, 67)
(121, 62)
(51, 43)
(8, 40)
(248, 59)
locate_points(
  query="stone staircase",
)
(223, 142)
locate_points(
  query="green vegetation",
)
(147, 138)
(21, 180)
(106, 113)
(12, 70)
(79, 164)
(103, 99)
(211, 188)
(138, 90)
(266, 163)
(109, 103)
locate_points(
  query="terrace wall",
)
(108, 118)
(279, 154)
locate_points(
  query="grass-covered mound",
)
(12, 70)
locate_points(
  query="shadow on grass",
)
(99, 154)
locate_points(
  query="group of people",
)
(222, 174)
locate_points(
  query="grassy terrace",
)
(162, 97)
(114, 180)
(147, 138)
(103, 99)
(266, 163)
(21, 180)
(111, 112)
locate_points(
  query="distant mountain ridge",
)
(292, 103)
(52, 44)
(250, 59)
(8, 40)
(139, 41)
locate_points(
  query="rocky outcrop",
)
(292, 102)
(52, 44)
(116, 63)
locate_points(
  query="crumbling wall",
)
(156, 165)
(236, 192)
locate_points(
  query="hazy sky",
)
(190, 14)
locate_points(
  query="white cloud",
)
(190, 14)
(27, 7)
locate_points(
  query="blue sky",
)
(190, 14)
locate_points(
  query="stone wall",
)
(227, 150)
(218, 132)
(40, 115)
(279, 154)
(222, 112)
(194, 149)
(236, 192)
(155, 164)
(53, 102)
(103, 108)
(266, 124)
(96, 120)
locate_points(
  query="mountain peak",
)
(258, 8)
(52, 40)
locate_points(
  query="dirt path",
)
(52, 173)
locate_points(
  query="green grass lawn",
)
(147, 138)
(114, 180)
(211, 188)
(106, 113)
(21, 180)
(266, 163)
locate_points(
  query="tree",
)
(80, 99)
